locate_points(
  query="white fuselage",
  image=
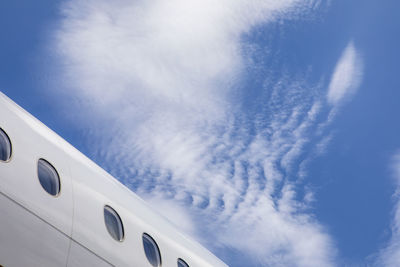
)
(38, 229)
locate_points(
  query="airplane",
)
(58, 208)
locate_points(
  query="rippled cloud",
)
(163, 76)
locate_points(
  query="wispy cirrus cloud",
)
(390, 254)
(346, 77)
(164, 75)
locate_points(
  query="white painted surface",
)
(78, 211)
(19, 178)
(26, 240)
(81, 256)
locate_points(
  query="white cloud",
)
(346, 77)
(390, 254)
(162, 74)
(179, 215)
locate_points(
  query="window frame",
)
(181, 261)
(11, 146)
(119, 219)
(155, 245)
(56, 172)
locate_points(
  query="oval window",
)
(5, 146)
(151, 250)
(48, 177)
(113, 223)
(182, 263)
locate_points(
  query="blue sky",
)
(270, 127)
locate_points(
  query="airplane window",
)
(151, 250)
(182, 263)
(113, 223)
(48, 177)
(5, 146)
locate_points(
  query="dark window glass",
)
(5, 146)
(151, 250)
(48, 177)
(182, 263)
(113, 223)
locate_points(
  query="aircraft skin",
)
(39, 229)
